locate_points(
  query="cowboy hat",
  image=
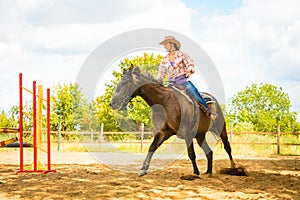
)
(172, 40)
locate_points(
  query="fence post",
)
(101, 136)
(278, 139)
(231, 135)
(58, 136)
(21, 121)
(142, 136)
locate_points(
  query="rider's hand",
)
(190, 71)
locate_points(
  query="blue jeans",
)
(192, 90)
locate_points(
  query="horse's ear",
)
(124, 70)
(131, 67)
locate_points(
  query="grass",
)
(177, 146)
(266, 149)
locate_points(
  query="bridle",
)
(131, 90)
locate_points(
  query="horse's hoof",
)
(142, 172)
(208, 172)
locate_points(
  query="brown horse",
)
(173, 113)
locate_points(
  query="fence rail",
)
(142, 138)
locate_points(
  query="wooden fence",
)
(100, 138)
(142, 138)
(277, 134)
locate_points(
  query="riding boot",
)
(212, 115)
(213, 111)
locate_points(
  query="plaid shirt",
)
(182, 64)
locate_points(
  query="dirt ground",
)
(268, 178)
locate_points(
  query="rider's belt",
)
(180, 80)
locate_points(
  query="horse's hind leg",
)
(192, 155)
(208, 152)
(227, 145)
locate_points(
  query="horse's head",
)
(127, 88)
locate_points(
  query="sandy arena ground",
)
(268, 178)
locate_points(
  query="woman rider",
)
(179, 67)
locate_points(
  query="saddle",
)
(211, 112)
(207, 97)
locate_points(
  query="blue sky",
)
(209, 8)
(250, 41)
(203, 9)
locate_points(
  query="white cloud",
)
(266, 11)
(56, 12)
(49, 40)
(80, 25)
(258, 42)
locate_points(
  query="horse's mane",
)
(146, 75)
(142, 74)
(149, 76)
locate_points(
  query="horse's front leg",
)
(159, 138)
(192, 155)
(146, 163)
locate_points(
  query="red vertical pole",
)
(48, 130)
(21, 121)
(34, 128)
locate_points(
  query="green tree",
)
(104, 112)
(14, 116)
(4, 120)
(138, 110)
(67, 107)
(264, 106)
(89, 121)
(14, 113)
